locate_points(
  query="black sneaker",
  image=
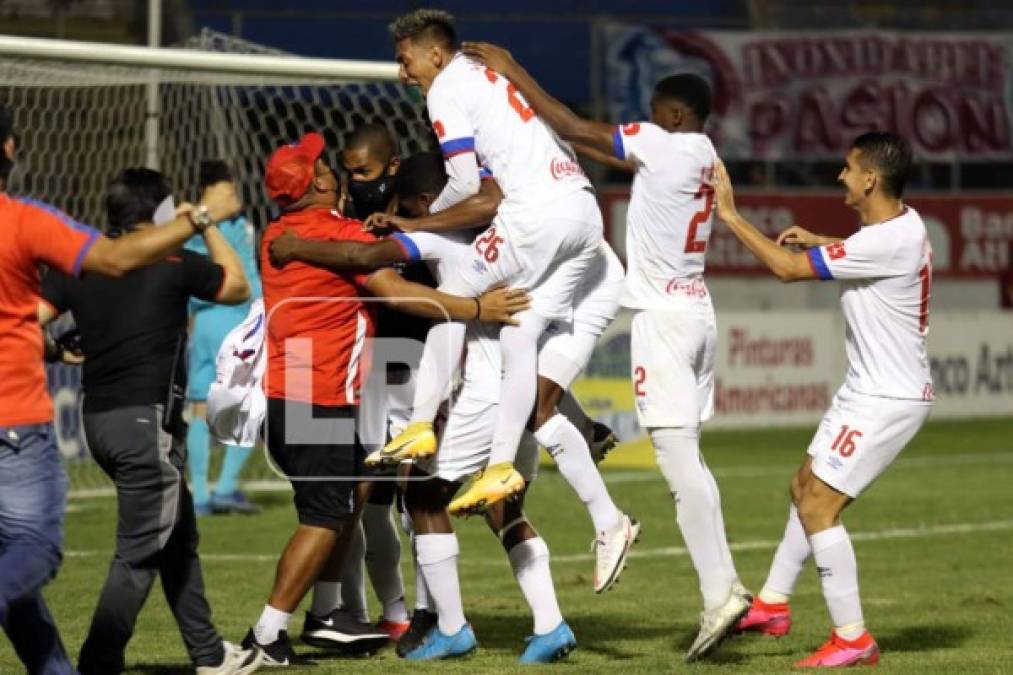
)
(603, 439)
(277, 653)
(423, 622)
(341, 631)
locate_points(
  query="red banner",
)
(971, 235)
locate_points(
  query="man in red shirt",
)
(319, 324)
(33, 485)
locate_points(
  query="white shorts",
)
(860, 435)
(545, 251)
(466, 442)
(566, 346)
(672, 367)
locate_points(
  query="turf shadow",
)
(598, 633)
(922, 638)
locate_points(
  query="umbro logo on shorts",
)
(479, 266)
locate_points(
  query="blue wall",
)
(552, 38)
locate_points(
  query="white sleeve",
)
(463, 181)
(640, 142)
(456, 135)
(421, 245)
(864, 255)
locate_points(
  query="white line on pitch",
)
(787, 470)
(667, 552)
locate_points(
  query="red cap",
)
(290, 170)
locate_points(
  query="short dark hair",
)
(690, 90)
(434, 25)
(375, 138)
(213, 171)
(422, 173)
(133, 196)
(890, 154)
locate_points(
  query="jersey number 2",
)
(692, 245)
(513, 97)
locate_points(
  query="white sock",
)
(838, 570)
(678, 454)
(519, 387)
(422, 597)
(719, 518)
(438, 560)
(383, 560)
(353, 581)
(568, 448)
(271, 622)
(570, 406)
(792, 553)
(530, 562)
(440, 356)
(326, 598)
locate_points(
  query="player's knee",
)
(815, 513)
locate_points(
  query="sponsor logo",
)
(479, 266)
(836, 251)
(631, 129)
(564, 168)
(438, 128)
(691, 289)
(835, 462)
(824, 572)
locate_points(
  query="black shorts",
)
(322, 464)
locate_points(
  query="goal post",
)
(81, 115)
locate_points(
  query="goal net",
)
(80, 122)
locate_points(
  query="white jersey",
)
(482, 368)
(475, 109)
(670, 215)
(887, 273)
(236, 404)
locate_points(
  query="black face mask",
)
(372, 196)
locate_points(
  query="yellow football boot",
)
(496, 483)
(417, 441)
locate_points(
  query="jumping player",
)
(886, 270)
(673, 335)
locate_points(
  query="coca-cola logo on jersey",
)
(565, 168)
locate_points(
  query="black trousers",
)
(156, 535)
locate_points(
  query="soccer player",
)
(323, 313)
(371, 161)
(33, 485)
(886, 274)
(673, 334)
(545, 236)
(211, 323)
(133, 334)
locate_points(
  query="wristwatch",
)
(201, 219)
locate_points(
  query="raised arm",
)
(786, 265)
(609, 158)
(338, 256)
(498, 304)
(116, 257)
(563, 121)
(479, 209)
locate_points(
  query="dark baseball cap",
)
(290, 170)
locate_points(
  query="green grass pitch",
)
(934, 539)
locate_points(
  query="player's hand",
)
(493, 57)
(724, 196)
(500, 304)
(796, 235)
(184, 209)
(284, 249)
(380, 221)
(222, 200)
